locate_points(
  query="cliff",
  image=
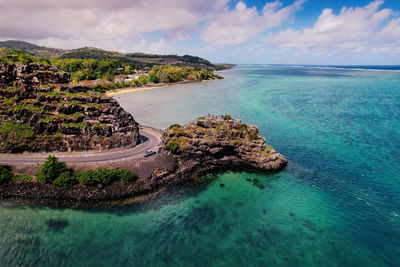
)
(210, 143)
(40, 111)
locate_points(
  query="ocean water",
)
(336, 204)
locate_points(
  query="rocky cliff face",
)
(40, 111)
(219, 142)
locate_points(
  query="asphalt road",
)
(151, 138)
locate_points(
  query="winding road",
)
(150, 138)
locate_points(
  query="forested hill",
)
(140, 60)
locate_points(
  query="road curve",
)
(150, 137)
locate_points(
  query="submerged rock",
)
(57, 225)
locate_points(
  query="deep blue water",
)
(336, 204)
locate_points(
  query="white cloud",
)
(233, 27)
(101, 22)
(354, 29)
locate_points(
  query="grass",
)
(27, 106)
(177, 144)
(21, 177)
(20, 129)
(236, 142)
(75, 124)
(219, 125)
(54, 93)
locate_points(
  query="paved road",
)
(151, 138)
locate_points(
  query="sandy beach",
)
(149, 87)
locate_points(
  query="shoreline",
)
(127, 90)
(186, 154)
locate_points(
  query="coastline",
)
(187, 152)
(127, 90)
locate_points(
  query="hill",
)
(139, 60)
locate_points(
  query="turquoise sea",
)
(336, 204)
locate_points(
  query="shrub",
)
(105, 176)
(172, 145)
(126, 175)
(175, 126)
(50, 170)
(5, 174)
(21, 177)
(66, 179)
(236, 142)
(253, 136)
(228, 117)
(88, 177)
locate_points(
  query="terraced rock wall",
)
(40, 111)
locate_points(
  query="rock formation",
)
(212, 143)
(204, 145)
(40, 111)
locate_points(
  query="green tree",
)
(66, 179)
(51, 169)
(5, 174)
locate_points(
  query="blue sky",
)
(327, 32)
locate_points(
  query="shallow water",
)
(336, 204)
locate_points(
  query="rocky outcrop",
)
(204, 145)
(40, 111)
(212, 143)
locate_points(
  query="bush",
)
(236, 142)
(66, 179)
(228, 117)
(175, 126)
(126, 176)
(87, 177)
(173, 146)
(51, 169)
(21, 177)
(105, 176)
(5, 174)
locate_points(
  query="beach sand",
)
(149, 87)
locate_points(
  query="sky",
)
(323, 32)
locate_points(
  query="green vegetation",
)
(14, 133)
(21, 177)
(5, 175)
(139, 60)
(92, 63)
(227, 117)
(105, 176)
(236, 142)
(169, 74)
(56, 173)
(177, 144)
(89, 69)
(173, 145)
(51, 169)
(174, 126)
(66, 179)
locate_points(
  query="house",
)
(119, 78)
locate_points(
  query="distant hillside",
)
(35, 50)
(19, 44)
(140, 60)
